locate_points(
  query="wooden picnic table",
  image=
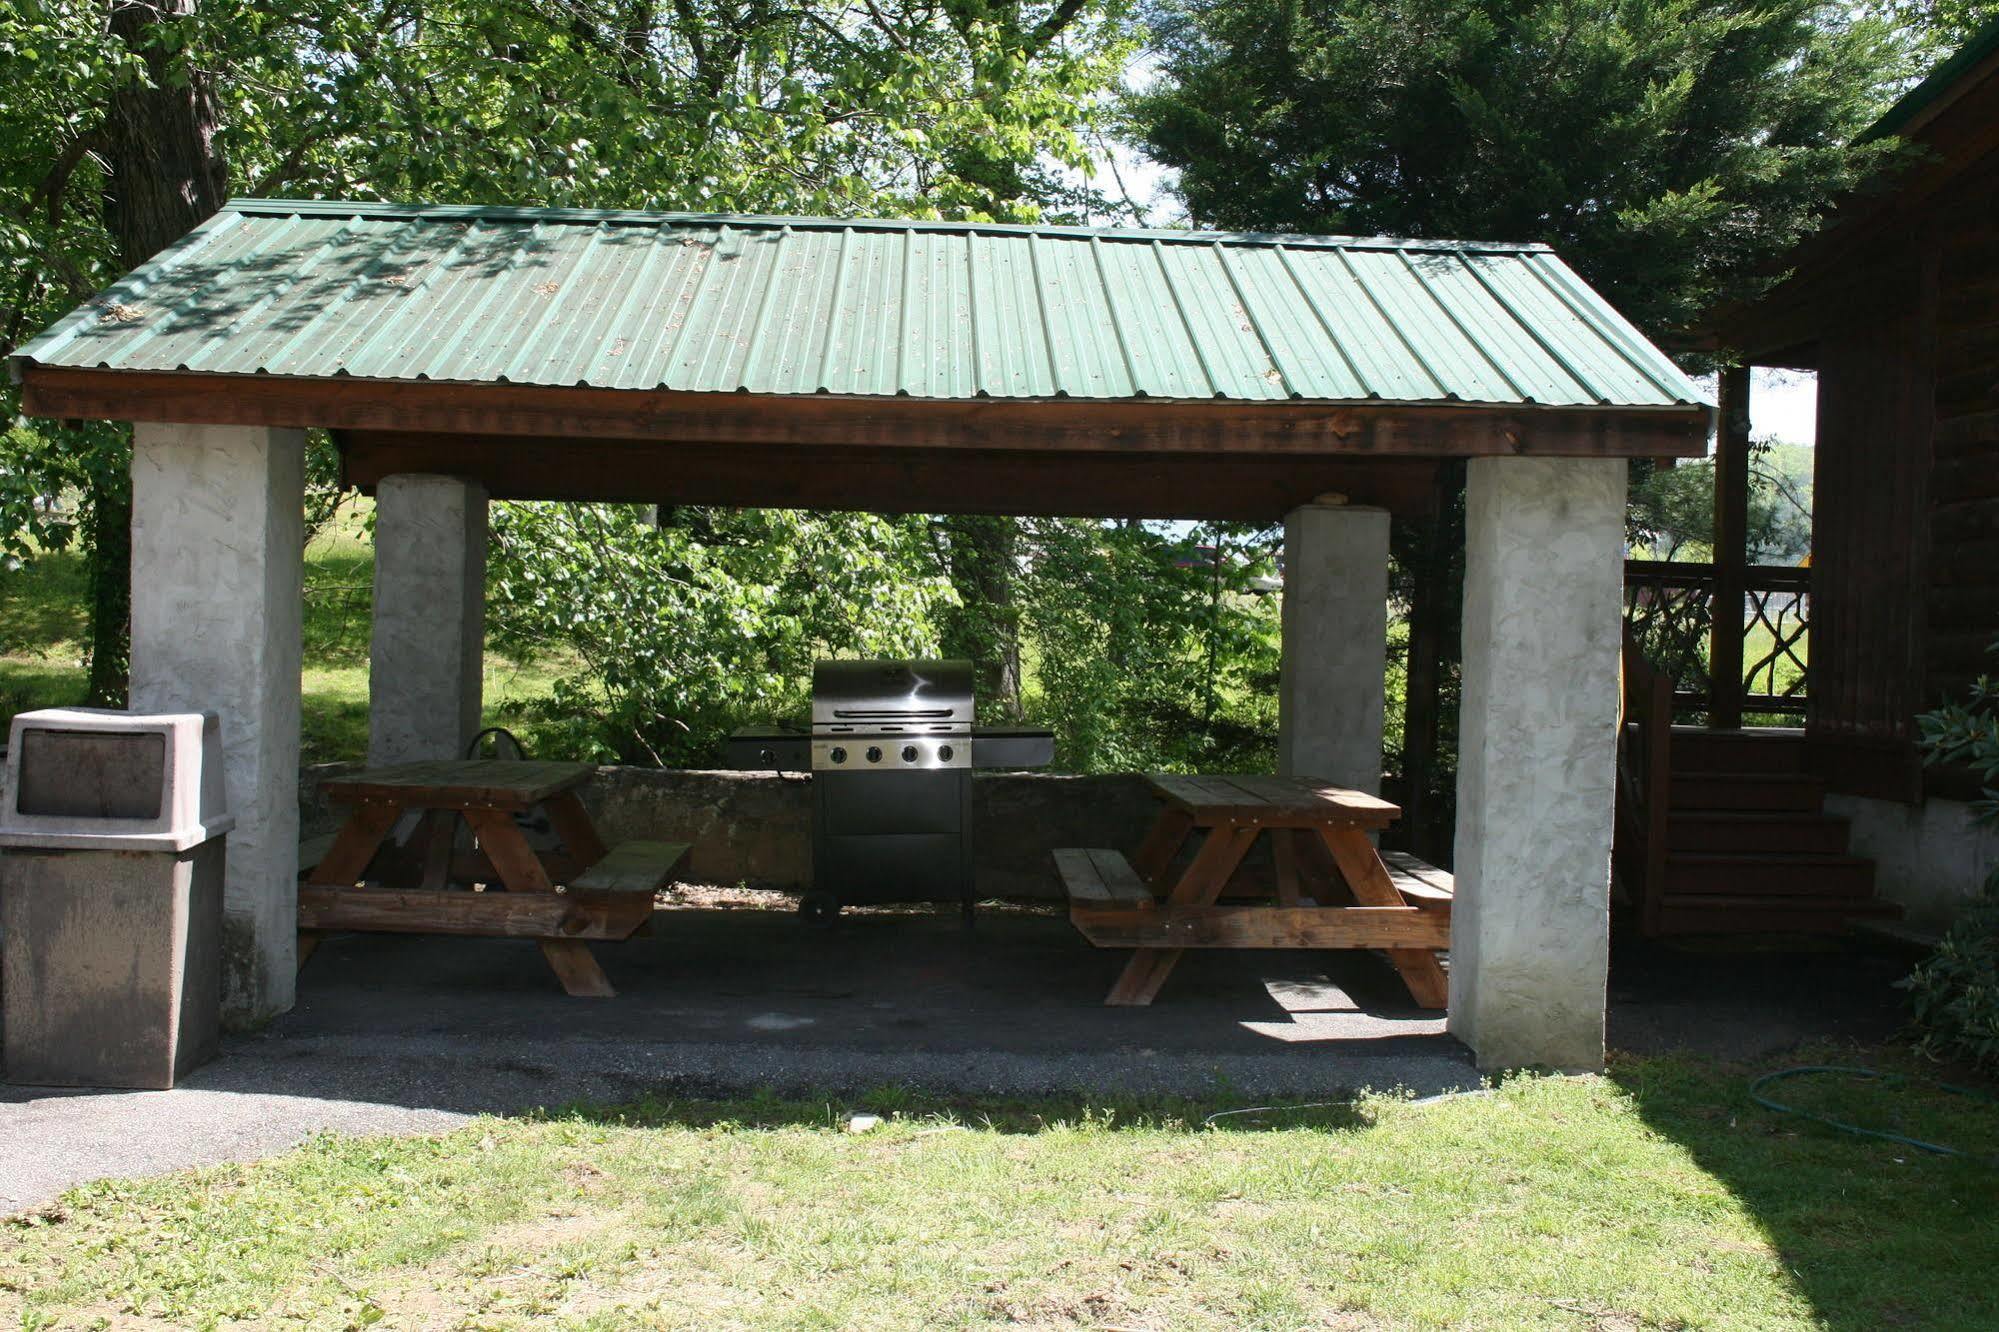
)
(1331, 887)
(507, 888)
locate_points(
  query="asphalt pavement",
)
(417, 1035)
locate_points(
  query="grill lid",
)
(866, 695)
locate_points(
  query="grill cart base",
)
(891, 750)
(890, 837)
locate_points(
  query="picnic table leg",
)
(347, 859)
(440, 830)
(572, 824)
(1284, 855)
(1156, 852)
(355, 844)
(1317, 868)
(1200, 885)
(1360, 865)
(521, 871)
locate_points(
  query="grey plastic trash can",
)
(112, 830)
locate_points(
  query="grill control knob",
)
(837, 754)
(909, 753)
(874, 754)
(944, 753)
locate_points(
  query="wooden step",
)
(1746, 874)
(1756, 914)
(1706, 790)
(1696, 748)
(1756, 831)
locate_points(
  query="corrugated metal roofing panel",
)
(812, 305)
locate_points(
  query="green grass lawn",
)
(43, 624)
(1656, 1197)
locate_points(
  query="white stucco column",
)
(1537, 755)
(217, 574)
(1335, 644)
(427, 657)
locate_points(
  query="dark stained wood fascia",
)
(1048, 425)
(1080, 485)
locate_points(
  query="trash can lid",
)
(99, 779)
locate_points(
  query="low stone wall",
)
(755, 828)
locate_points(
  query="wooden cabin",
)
(1894, 303)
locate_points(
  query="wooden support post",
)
(1433, 610)
(1731, 549)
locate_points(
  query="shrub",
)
(1954, 993)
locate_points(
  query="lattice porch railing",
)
(1669, 607)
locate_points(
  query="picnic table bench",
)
(1331, 887)
(561, 899)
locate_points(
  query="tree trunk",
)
(164, 177)
(985, 626)
(1431, 549)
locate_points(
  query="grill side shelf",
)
(1012, 749)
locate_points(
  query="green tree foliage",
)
(1954, 994)
(1935, 29)
(1152, 649)
(1672, 508)
(964, 108)
(690, 625)
(1666, 148)
(1149, 647)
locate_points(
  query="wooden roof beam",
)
(1058, 425)
(1012, 482)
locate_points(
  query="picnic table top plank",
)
(450, 783)
(1273, 801)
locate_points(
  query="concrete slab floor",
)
(405, 1034)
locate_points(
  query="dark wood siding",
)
(1896, 303)
(1870, 535)
(1963, 590)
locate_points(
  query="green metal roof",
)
(795, 306)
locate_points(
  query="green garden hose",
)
(1886, 1080)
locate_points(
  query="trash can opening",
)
(91, 775)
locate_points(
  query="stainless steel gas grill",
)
(891, 751)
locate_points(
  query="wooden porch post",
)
(1731, 548)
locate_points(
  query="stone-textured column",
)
(217, 574)
(1537, 755)
(1335, 644)
(427, 658)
